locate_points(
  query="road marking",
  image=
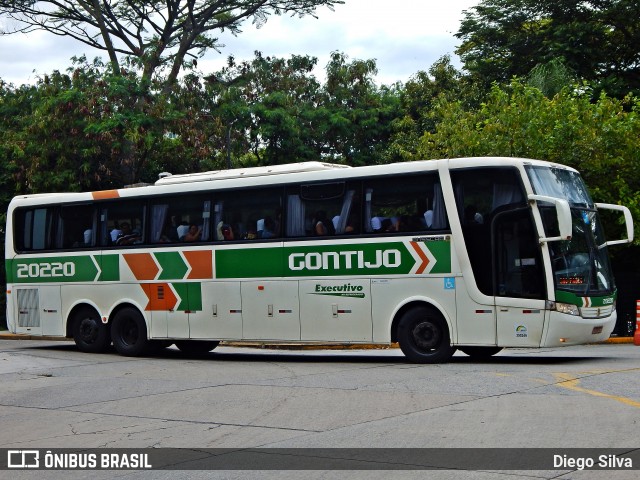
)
(571, 383)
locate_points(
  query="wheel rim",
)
(426, 336)
(89, 330)
(130, 332)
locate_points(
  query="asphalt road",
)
(53, 396)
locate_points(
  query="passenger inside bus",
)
(194, 234)
(224, 232)
(127, 235)
(322, 225)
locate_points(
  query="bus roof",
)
(169, 179)
(269, 176)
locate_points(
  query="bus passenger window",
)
(251, 214)
(172, 220)
(122, 223)
(404, 204)
(325, 209)
(76, 224)
(33, 229)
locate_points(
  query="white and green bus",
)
(474, 254)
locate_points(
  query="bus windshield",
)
(560, 183)
(580, 265)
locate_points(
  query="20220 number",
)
(46, 270)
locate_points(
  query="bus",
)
(475, 254)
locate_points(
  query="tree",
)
(268, 107)
(418, 98)
(599, 40)
(71, 132)
(157, 34)
(550, 78)
(601, 139)
(281, 113)
(357, 128)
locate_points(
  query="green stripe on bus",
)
(8, 270)
(366, 259)
(441, 250)
(172, 265)
(190, 296)
(110, 266)
(384, 258)
(249, 263)
(581, 301)
(54, 269)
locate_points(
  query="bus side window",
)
(76, 224)
(123, 223)
(34, 229)
(404, 203)
(323, 209)
(250, 214)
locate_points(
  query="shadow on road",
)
(506, 357)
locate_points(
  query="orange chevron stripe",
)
(201, 262)
(423, 257)
(160, 295)
(142, 265)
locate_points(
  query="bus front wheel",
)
(129, 332)
(89, 333)
(424, 337)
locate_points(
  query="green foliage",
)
(601, 139)
(598, 41)
(550, 78)
(357, 128)
(418, 98)
(277, 110)
(90, 130)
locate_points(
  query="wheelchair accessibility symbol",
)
(450, 283)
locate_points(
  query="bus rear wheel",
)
(129, 332)
(89, 333)
(480, 353)
(424, 337)
(196, 347)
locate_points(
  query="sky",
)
(403, 36)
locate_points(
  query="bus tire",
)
(480, 353)
(89, 333)
(196, 347)
(129, 332)
(424, 337)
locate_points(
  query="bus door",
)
(518, 278)
(270, 310)
(503, 248)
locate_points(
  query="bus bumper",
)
(563, 329)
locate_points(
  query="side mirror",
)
(628, 220)
(563, 212)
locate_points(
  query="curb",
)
(277, 346)
(619, 340)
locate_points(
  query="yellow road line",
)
(571, 383)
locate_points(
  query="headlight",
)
(567, 308)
